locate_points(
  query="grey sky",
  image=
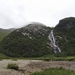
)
(17, 13)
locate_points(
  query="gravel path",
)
(28, 66)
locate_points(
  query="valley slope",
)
(5, 32)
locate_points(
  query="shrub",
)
(46, 59)
(12, 66)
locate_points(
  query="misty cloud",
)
(17, 13)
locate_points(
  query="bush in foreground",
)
(12, 66)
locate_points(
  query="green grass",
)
(2, 56)
(45, 58)
(55, 71)
(54, 58)
(2, 35)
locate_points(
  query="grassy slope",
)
(3, 34)
(2, 56)
(55, 71)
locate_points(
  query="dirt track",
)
(28, 66)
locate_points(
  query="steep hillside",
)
(29, 41)
(65, 35)
(5, 32)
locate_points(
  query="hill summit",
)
(28, 41)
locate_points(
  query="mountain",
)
(28, 41)
(36, 39)
(65, 36)
(5, 32)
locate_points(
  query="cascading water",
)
(53, 43)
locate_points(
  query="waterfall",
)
(53, 43)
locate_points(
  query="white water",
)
(54, 43)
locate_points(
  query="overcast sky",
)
(17, 13)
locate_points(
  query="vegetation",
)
(55, 71)
(4, 33)
(54, 58)
(12, 66)
(65, 35)
(2, 56)
(45, 58)
(29, 41)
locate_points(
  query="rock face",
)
(28, 41)
(65, 35)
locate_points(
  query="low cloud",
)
(17, 13)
